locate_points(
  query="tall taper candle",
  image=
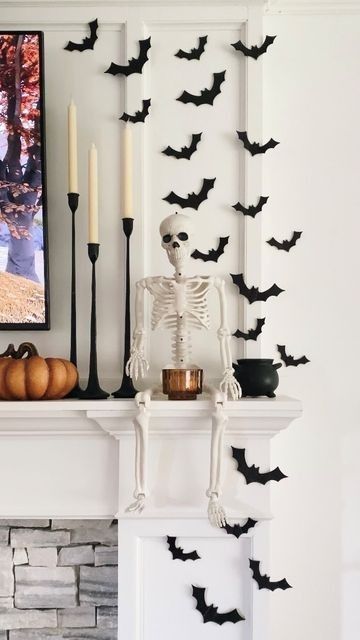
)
(72, 149)
(93, 196)
(127, 162)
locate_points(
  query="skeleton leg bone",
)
(216, 512)
(141, 426)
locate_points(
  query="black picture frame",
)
(42, 321)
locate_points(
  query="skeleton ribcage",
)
(186, 301)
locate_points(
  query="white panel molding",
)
(308, 7)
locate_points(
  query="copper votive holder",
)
(182, 384)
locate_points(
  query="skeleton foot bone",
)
(138, 505)
(216, 512)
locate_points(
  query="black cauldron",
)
(257, 376)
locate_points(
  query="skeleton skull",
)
(176, 231)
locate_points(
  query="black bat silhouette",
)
(186, 152)
(255, 147)
(213, 254)
(135, 65)
(253, 294)
(210, 613)
(193, 200)
(207, 96)
(252, 474)
(255, 51)
(290, 361)
(193, 54)
(238, 530)
(139, 116)
(253, 209)
(178, 553)
(88, 42)
(264, 581)
(285, 245)
(252, 334)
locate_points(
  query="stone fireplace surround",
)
(74, 477)
(58, 579)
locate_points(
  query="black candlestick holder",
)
(93, 390)
(127, 389)
(73, 202)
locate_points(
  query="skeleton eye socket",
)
(183, 236)
(167, 238)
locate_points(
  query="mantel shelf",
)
(114, 416)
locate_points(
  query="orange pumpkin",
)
(34, 377)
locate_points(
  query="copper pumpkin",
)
(34, 377)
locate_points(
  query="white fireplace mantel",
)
(75, 459)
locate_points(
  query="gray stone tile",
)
(101, 536)
(80, 524)
(20, 556)
(4, 537)
(42, 556)
(38, 538)
(98, 585)
(106, 556)
(75, 634)
(46, 588)
(27, 619)
(70, 556)
(107, 617)
(6, 603)
(77, 617)
(6, 572)
(3, 635)
(37, 523)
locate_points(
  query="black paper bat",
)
(253, 209)
(285, 245)
(210, 613)
(237, 530)
(207, 96)
(135, 65)
(290, 361)
(193, 54)
(88, 42)
(255, 51)
(139, 116)
(212, 255)
(252, 474)
(255, 147)
(252, 334)
(253, 294)
(186, 152)
(264, 581)
(178, 553)
(193, 200)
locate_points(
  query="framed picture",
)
(24, 273)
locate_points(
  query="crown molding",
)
(310, 7)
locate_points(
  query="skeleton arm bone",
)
(228, 384)
(137, 364)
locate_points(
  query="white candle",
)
(127, 160)
(93, 196)
(72, 149)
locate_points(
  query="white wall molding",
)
(308, 7)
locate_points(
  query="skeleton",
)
(180, 304)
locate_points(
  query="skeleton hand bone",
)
(137, 365)
(230, 386)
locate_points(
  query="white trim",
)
(307, 7)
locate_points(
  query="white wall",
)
(312, 105)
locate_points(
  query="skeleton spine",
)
(181, 344)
